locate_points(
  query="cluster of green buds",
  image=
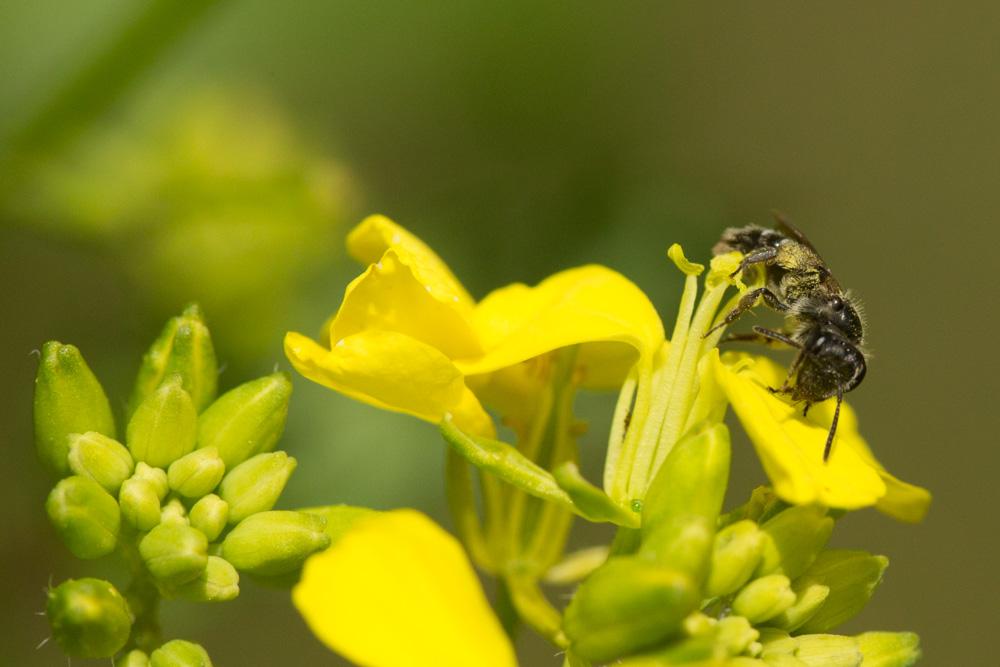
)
(755, 586)
(185, 497)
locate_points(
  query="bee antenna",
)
(833, 428)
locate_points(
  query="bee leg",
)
(749, 338)
(755, 257)
(746, 302)
(779, 337)
(805, 410)
(786, 386)
(833, 428)
(776, 340)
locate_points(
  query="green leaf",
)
(591, 502)
(852, 577)
(506, 462)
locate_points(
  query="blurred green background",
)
(153, 154)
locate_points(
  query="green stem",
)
(545, 526)
(534, 608)
(144, 602)
(461, 502)
(620, 421)
(619, 490)
(504, 606)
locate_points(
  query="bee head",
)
(834, 310)
(841, 313)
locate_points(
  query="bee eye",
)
(838, 303)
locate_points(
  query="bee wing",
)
(785, 226)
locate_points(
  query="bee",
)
(824, 324)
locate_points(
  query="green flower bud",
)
(782, 660)
(627, 605)
(776, 640)
(174, 512)
(852, 577)
(197, 473)
(218, 583)
(89, 618)
(692, 480)
(103, 459)
(697, 624)
(209, 515)
(778, 647)
(256, 484)
(735, 555)
(247, 420)
(86, 516)
(180, 653)
(134, 658)
(164, 426)
(695, 651)
(681, 544)
(682, 505)
(140, 505)
(889, 649)
(184, 347)
(274, 543)
(174, 553)
(792, 540)
(157, 478)
(763, 505)
(828, 651)
(68, 399)
(764, 598)
(734, 634)
(807, 602)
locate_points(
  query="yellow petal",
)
(902, 500)
(398, 590)
(391, 371)
(376, 234)
(589, 304)
(391, 296)
(791, 448)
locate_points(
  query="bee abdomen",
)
(747, 239)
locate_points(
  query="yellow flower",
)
(409, 338)
(398, 590)
(791, 446)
